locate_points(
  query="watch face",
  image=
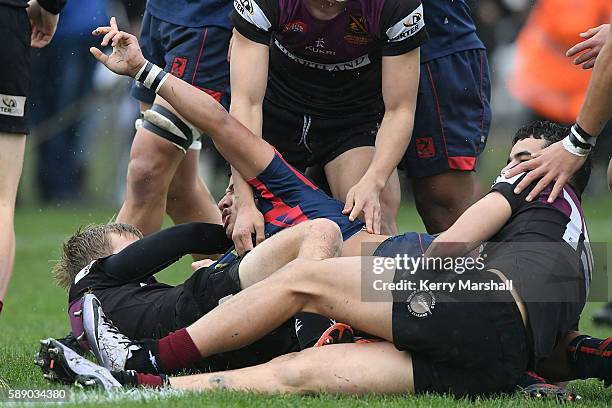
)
(421, 303)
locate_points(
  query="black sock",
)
(146, 359)
(589, 357)
(309, 327)
(126, 378)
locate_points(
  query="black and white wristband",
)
(579, 142)
(583, 136)
(151, 76)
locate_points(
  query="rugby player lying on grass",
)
(120, 266)
(463, 347)
(457, 349)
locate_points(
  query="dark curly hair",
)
(553, 132)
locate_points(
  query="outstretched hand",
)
(552, 164)
(126, 58)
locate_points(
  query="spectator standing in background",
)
(62, 78)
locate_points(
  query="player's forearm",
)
(597, 108)
(477, 224)
(151, 254)
(391, 143)
(250, 115)
(197, 107)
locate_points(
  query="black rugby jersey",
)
(544, 249)
(52, 6)
(131, 297)
(334, 66)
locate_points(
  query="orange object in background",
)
(544, 79)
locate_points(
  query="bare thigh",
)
(335, 288)
(12, 149)
(316, 239)
(347, 169)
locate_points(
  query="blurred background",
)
(83, 115)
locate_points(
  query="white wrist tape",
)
(151, 76)
(575, 150)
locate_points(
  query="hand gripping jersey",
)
(328, 67)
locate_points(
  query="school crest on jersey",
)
(357, 31)
(296, 26)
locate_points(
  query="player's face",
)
(226, 205)
(523, 149)
(120, 241)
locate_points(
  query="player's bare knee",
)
(145, 178)
(294, 373)
(327, 235)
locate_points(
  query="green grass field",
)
(36, 308)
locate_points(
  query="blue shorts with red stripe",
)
(453, 115)
(197, 55)
(286, 197)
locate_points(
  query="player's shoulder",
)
(259, 13)
(402, 19)
(501, 179)
(402, 9)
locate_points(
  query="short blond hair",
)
(87, 244)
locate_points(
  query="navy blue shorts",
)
(196, 55)
(452, 116)
(286, 197)
(414, 244)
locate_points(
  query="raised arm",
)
(249, 79)
(558, 164)
(400, 83)
(241, 148)
(149, 255)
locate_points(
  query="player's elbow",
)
(246, 102)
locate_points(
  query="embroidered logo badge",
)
(178, 66)
(425, 148)
(421, 303)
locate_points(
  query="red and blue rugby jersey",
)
(286, 197)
